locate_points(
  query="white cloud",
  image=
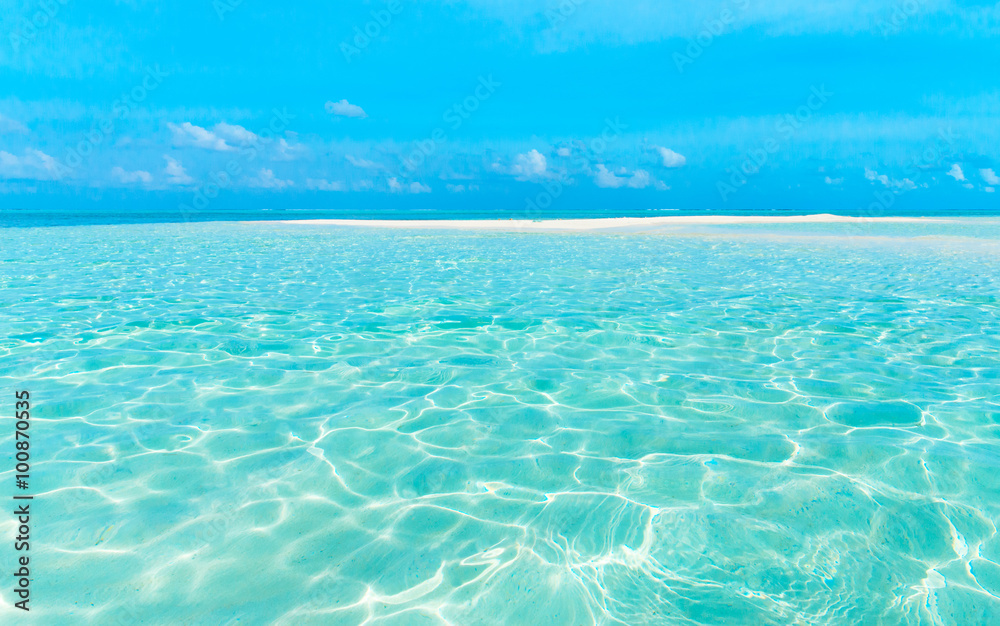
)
(671, 158)
(956, 172)
(833, 181)
(461, 188)
(288, 152)
(189, 135)
(989, 176)
(267, 180)
(345, 109)
(34, 165)
(896, 185)
(640, 179)
(529, 166)
(362, 163)
(131, 177)
(607, 179)
(8, 125)
(397, 187)
(989, 190)
(235, 133)
(325, 185)
(176, 174)
(225, 137)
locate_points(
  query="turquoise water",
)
(252, 423)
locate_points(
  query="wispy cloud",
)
(627, 22)
(266, 179)
(189, 135)
(362, 163)
(138, 176)
(320, 184)
(32, 165)
(8, 125)
(899, 185)
(605, 178)
(235, 133)
(397, 187)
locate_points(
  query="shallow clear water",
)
(300, 424)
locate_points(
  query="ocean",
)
(306, 424)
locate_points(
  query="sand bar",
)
(622, 224)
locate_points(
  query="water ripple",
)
(270, 423)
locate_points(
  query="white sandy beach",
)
(619, 224)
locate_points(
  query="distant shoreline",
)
(628, 224)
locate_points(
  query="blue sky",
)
(510, 107)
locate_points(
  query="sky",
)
(504, 107)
